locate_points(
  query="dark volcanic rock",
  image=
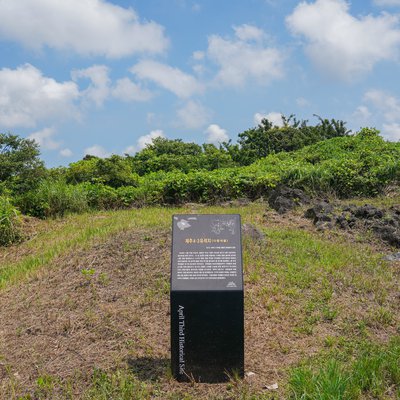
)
(388, 233)
(384, 223)
(346, 220)
(322, 211)
(284, 199)
(368, 212)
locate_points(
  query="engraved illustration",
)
(219, 225)
(183, 224)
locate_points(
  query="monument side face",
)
(207, 334)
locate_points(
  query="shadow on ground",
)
(149, 369)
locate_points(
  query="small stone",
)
(392, 257)
(250, 374)
(273, 386)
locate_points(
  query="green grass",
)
(80, 231)
(375, 373)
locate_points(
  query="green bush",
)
(101, 197)
(54, 199)
(114, 171)
(10, 231)
(347, 166)
(359, 165)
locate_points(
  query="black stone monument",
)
(207, 320)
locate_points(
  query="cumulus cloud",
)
(126, 90)
(274, 117)
(385, 103)
(173, 79)
(66, 152)
(198, 55)
(44, 138)
(143, 141)
(27, 97)
(99, 88)
(248, 32)
(97, 150)
(391, 131)
(384, 108)
(245, 57)
(193, 115)
(90, 27)
(340, 44)
(216, 135)
(362, 114)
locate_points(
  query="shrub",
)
(10, 231)
(101, 196)
(54, 199)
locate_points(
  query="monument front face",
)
(206, 298)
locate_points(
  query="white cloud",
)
(97, 150)
(66, 152)
(216, 135)
(172, 79)
(90, 27)
(274, 117)
(389, 3)
(391, 131)
(126, 90)
(193, 115)
(44, 138)
(99, 88)
(386, 104)
(248, 32)
(340, 44)
(386, 108)
(27, 97)
(244, 58)
(198, 55)
(362, 114)
(143, 141)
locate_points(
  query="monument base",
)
(207, 335)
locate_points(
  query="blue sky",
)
(106, 76)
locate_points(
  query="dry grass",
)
(106, 307)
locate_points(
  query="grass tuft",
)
(9, 222)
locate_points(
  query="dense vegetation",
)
(319, 159)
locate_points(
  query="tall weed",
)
(10, 231)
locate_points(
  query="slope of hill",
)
(85, 310)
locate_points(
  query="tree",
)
(20, 166)
(267, 138)
(113, 171)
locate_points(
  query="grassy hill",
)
(85, 309)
